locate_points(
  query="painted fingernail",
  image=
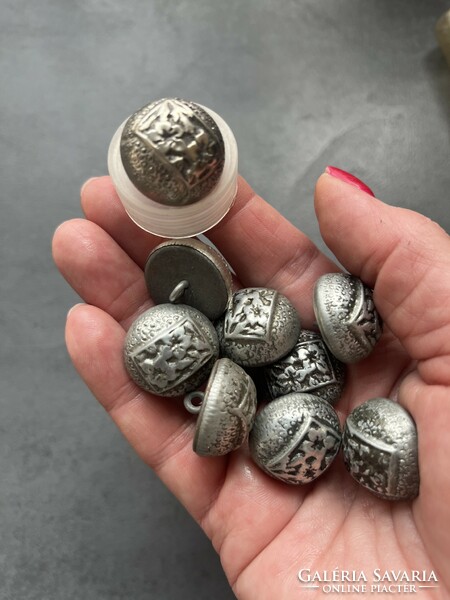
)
(86, 183)
(349, 178)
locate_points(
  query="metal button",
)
(259, 327)
(172, 151)
(225, 411)
(174, 165)
(170, 349)
(190, 272)
(295, 438)
(309, 368)
(346, 316)
(380, 449)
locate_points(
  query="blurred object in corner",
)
(443, 34)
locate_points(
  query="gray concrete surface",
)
(303, 84)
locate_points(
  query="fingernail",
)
(349, 178)
(74, 307)
(86, 183)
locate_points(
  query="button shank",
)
(208, 279)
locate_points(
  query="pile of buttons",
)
(207, 342)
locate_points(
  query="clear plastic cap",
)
(177, 221)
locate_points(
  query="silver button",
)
(309, 368)
(346, 316)
(380, 449)
(172, 151)
(225, 411)
(170, 349)
(259, 327)
(190, 272)
(295, 438)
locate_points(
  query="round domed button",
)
(226, 410)
(172, 151)
(346, 316)
(174, 167)
(380, 449)
(309, 368)
(170, 349)
(190, 272)
(259, 327)
(295, 438)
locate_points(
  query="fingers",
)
(431, 411)
(99, 270)
(101, 205)
(405, 257)
(267, 250)
(159, 430)
(262, 246)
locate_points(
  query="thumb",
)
(404, 257)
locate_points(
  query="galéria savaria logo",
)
(378, 581)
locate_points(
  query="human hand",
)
(265, 531)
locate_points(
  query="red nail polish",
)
(349, 178)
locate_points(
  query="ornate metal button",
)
(295, 438)
(259, 327)
(309, 368)
(346, 315)
(174, 165)
(170, 349)
(226, 410)
(190, 272)
(380, 449)
(172, 151)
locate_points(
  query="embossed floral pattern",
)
(175, 131)
(173, 356)
(311, 455)
(251, 314)
(309, 368)
(370, 466)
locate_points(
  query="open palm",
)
(265, 531)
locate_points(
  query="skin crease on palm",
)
(265, 531)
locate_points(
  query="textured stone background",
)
(303, 83)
